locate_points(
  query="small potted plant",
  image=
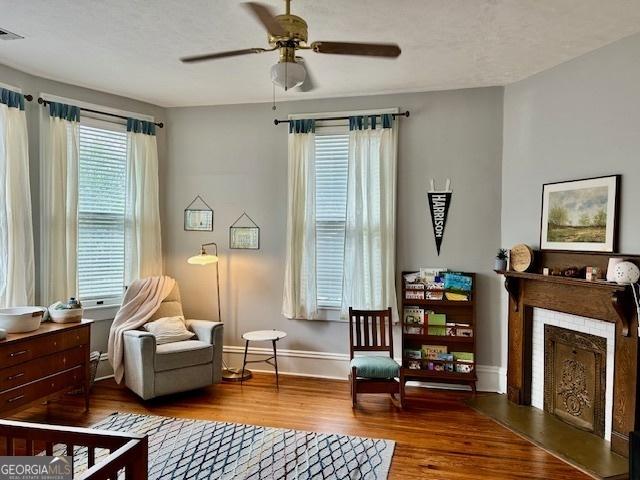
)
(501, 260)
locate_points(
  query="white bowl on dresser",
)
(21, 319)
(66, 315)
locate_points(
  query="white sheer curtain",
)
(299, 298)
(143, 243)
(59, 147)
(16, 231)
(370, 252)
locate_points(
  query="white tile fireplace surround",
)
(542, 317)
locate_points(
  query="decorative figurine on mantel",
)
(571, 272)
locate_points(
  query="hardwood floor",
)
(437, 437)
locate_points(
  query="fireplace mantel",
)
(608, 302)
(602, 301)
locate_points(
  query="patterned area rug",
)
(196, 449)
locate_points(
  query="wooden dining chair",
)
(371, 332)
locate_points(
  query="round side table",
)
(263, 336)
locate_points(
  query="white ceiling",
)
(131, 47)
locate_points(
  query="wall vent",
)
(7, 35)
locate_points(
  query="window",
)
(101, 207)
(332, 152)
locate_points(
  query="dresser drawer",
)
(19, 396)
(27, 372)
(79, 336)
(20, 352)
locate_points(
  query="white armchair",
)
(152, 370)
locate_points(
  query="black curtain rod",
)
(44, 102)
(28, 97)
(402, 114)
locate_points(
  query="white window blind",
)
(101, 204)
(332, 152)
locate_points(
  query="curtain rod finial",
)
(28, 97)
(276, 121)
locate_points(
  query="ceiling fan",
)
(288, 34)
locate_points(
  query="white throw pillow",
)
(168, 330)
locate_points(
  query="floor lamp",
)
(204, 258)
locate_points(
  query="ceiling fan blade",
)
(390, 50)
(266, 17)
(308, 83)
(214, 56)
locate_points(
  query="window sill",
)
(101, 312)
(329, 314)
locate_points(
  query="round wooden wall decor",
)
(521, 257)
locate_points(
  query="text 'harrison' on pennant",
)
(439, 202)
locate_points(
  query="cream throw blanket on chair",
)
(141, 300)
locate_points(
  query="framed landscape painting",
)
(580, 215)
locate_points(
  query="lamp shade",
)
(203, 259)
(288, 74)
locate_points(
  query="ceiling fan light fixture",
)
(288, 75)
(288, 34)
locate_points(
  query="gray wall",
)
(578, 120)
(36, 85)
(453, 134)
(237, 160)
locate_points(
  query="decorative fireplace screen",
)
(575, 378)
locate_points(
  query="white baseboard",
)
(328, 365)
(336, 366)
(492, 378)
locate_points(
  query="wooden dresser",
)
(37, 365)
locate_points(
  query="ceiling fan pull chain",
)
(286, 76)
(274, 96)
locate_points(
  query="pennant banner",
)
(439, 202)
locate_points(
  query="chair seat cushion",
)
(170, 356)
(369, 366)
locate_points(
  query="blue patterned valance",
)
(63, 111)
(302, 126)
(11, 99)
(140, 126)
(365, 122)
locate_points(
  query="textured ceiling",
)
(131, 47)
